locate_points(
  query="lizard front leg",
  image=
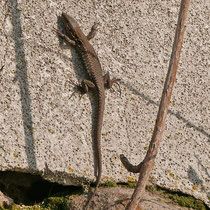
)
(92, 32)
(64, 36)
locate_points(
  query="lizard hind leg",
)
(85, 85)
(109, 82)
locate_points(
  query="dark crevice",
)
(28, 189)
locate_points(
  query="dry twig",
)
(146, 166)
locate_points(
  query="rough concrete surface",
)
(44, 130)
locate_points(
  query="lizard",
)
(96, 81)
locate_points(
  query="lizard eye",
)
(79, 43)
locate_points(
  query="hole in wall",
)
(28, 189)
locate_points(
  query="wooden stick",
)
(148, 163)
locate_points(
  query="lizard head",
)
(72, 27)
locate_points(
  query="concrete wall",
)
(44, 130)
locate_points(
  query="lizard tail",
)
(97, 142)
(94, 193)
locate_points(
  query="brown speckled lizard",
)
(97, 81)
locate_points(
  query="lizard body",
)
(97, 81)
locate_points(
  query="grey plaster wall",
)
(44, 130)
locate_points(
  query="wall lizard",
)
(97, 81)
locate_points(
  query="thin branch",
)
(147, 165)
(129, 166)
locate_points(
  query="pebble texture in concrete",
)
(45, 130)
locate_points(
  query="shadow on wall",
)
(22, 79)
(177, 114)
(194, 177)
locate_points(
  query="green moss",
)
(199, 205)
(127, 184)
(131, 185)
(151, 188)
(189, 201)
(185, 201)
(56, 203)
(60, 201)
(17, 207)
(109, 184)
(178, 197)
